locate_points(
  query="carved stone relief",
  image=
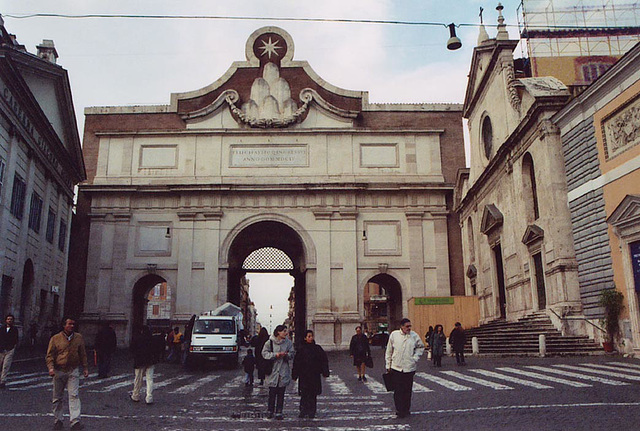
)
(621, 130)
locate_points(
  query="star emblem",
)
(270, 47)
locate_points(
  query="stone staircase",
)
(521, 338)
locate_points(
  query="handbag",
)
(388, 381)
(268, 363)
(368, 362)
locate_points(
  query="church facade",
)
(268, 161)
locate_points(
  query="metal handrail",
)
(577, 318)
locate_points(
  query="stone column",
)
(348, 308)
(183, 290)
(416, 257)
(211, 238)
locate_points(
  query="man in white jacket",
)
(403, 353)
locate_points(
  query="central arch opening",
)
(267, 277)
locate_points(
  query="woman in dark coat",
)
(360, 351)
(263, 337)
(438, 341)
(309, 364)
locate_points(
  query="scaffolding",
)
(578, 28)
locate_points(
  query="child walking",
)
(249, 364)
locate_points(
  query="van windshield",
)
(214, 327)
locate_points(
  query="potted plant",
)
(612, 301)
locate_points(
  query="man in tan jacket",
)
(66, 353)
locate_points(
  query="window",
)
(51, 225)
(530, 191)
(487, 136)
(62, 234)
(18, 197)
(156, 310)
(2, 165)
(35, 213)
(214, 327)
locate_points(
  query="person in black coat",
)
(261, 363)
(145, 357)
(457, 339)
(8, 341)
(105, 345)
(309, 364)
(249, 364)
(360, 351)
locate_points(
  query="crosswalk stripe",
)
(512, 379)
(443, 382)
(375, 386)
(195, 385)
(579, 376)
(337, 385)
(15, 373)
(626, 364)
(611, 368)
(29, 380)
(481, 382)
(233, 383)
(168, 382)
(86, 383)
(601, 372)
(417, 387)
(544, 377)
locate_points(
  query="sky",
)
(114, 62)
(118, 62)
(267, 290)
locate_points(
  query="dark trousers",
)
(437, 360)
(308, 404)
(403, 384)
(460, 357)
(276, 399)
(104, 364)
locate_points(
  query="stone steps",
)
(521, 338)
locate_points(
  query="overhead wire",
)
(294, 19)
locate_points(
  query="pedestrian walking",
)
(105, 345)
(249, 365)
(261, 363)
(360, 352)
(145, 357)
(309, 364)
(404, 350)
(65, 354)
(427, 341)
(278, 349)
(8, 342)
(438, 341)
(33, 334)
(175, 352)
(457, 339)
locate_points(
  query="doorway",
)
(382, 304)
(502, 300)
(539, 276)
(141, 291)
(269, 247)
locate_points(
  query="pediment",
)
(472, 271)
(269, 89)
(532, 234)
(627, 212)
(491, 219)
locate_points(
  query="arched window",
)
(487, 136)
(472, 245)
(530, 193)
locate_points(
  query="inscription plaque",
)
(262, 156)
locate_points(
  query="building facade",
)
(269, 157)
(602, 157)
(516, 226)
(40, 163)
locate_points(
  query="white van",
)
(214, 339)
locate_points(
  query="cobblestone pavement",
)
(582, 393)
